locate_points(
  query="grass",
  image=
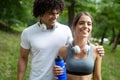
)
(111, 64)
(9, 52)
(9, 47)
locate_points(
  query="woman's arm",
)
(57, 70)
(97, 69)
(63, 51)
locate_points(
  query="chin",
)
(85, 36)
(52, 24)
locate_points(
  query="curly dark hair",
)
(41, 6)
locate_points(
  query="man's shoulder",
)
(31, 27)
(61, 25)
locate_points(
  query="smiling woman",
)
(81, 65)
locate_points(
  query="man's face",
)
(49, 18)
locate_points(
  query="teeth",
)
(85, 30)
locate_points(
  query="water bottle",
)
(60, 62)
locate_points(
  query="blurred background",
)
(15, 15)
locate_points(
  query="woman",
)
(85, 64)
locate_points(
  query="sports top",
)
(80, 67)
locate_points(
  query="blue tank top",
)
(80, 67)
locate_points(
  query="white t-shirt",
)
(43, 47)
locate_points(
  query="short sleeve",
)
(25, 40)
(70, 38)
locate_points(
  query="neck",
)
(80, 42)
(47, 26)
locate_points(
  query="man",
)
(43, 39)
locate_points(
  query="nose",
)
(55, 16)
(85, 25)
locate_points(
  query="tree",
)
(108, 12)
(14, 12)
(70, 6)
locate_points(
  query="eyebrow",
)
(85, 21)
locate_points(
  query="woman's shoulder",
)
(63, 51)
(95, 51)
(63, 48)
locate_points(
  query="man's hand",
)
(100, 49)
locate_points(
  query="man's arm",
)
(22, 63)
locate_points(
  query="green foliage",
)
(17, 11)
(105, 12)
(85, 5)
(10, 10)
(106, 18)
(9, 53)
(63, 18)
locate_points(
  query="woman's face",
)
(83, 26)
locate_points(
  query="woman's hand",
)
(57, 70)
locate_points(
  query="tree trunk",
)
(113, 36)
(103, 36)
(71, 13)
(117, 38)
